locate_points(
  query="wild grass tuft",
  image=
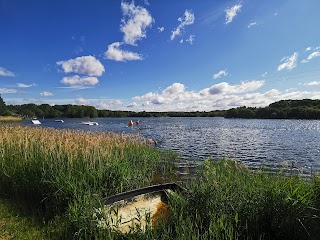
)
(228, 201)
(65, 173)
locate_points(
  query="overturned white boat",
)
(58, 120)
(90, 123)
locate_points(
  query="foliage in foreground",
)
(228, 201)
(62, 174)
(16, 226)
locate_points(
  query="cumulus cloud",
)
(314, 83)
(288, 62)
(221, 73)
(22, 85)
(308, 49)
(177, 95)
(46, 94)
(81, 101)
(80, 81)
(132, 105)
(232, 12)
(86, 65)
(174, 89)
(187, 19)
(115, 53)
(135, 21)
(218, 96)
(226, 88)
(252, 24)
(6, 73)
(311, 56)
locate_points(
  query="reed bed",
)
(65, 173)
(10, 119)
(228, 201)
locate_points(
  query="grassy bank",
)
(60, 177)
(10, 119)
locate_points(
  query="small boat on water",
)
(35, 121)
(90, 123)
(58, 120)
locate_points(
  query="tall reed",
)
(67, 172)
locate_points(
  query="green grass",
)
(13, 225)
(65, 174)
(61, 177)
(228, 201)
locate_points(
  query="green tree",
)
(2, 106)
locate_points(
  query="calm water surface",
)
(271, 142)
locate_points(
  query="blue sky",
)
(159, 55)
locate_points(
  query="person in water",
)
(130, 123)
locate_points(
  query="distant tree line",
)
(284, 109)
(75, 111)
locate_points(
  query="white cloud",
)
(265, 74)
(6, 73)
(232, 12)
(81, 101)
(46, 94)
(115, 53)
(221, 73)
(77, 80)
(187, 19)
(311, 56)
(252, 24)
(181, 41)
(176, 97)
(314, 83)
(289, 62)
(226, 88)
(86, 65)
(135, 21)
(22, 85)
(8, 90)
(161, 29)
(131, 105)
(174, 89)
(308, 49)
(190, 39)
(75, 87)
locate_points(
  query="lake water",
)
(254, 141)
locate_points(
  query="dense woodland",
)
(284, 109)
